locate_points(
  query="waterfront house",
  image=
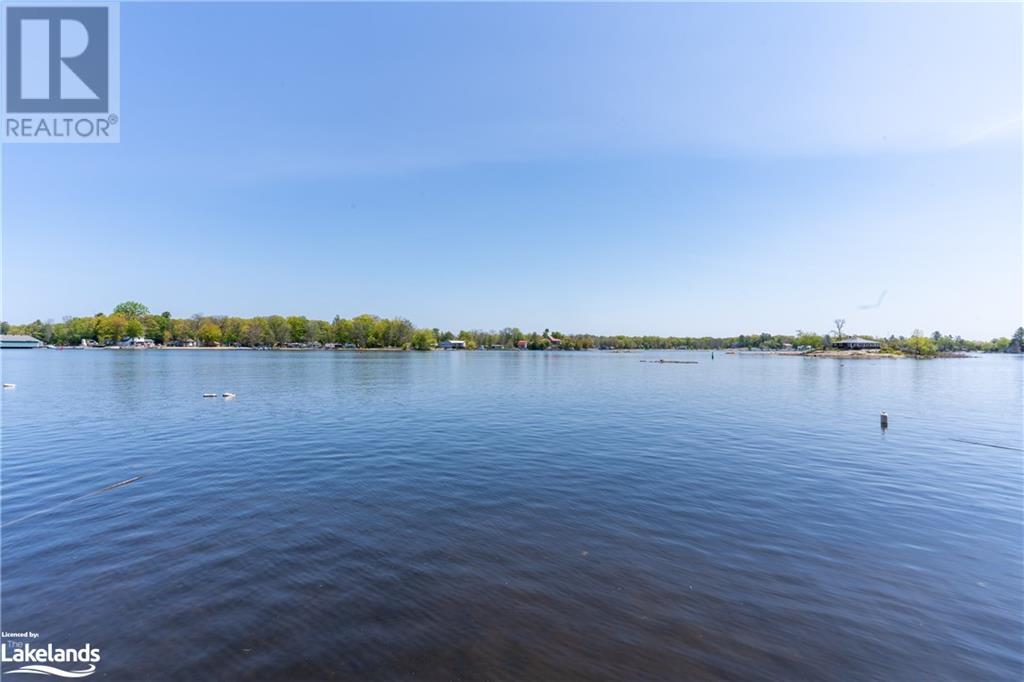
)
(856, 343)
(19, 341)
(136, 342)
(521, 344)
(453, 344)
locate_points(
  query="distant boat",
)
(229, 395)
(9, 385)
(209, 395)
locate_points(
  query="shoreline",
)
(830, 354)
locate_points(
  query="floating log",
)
(671, 362)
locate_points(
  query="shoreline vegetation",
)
(134, 321)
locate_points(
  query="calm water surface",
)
(515, 515)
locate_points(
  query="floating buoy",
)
(229, 395)
(885, 420)
(209, 395)
(9, 385)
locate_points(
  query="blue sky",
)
(666, 169)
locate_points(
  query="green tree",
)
(363, 330)
(131, 310)
(399, 333)
(341, 330)
(232, 330)
(919, 344)
(181, 330)
(424, 339)
(81, 328)
(1017, 342)
(317, 331)
(133, 327)
(807, 339)
(298, 328)
(279, 331)
(209, 334)
(256, 332)
(155, 326)
(998, 345)
(112, 327)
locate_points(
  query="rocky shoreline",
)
(870, 354)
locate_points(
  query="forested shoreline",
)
(133, 319)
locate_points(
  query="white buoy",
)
(229, 395)
(9, 385)
(885, 420)
(209, 395)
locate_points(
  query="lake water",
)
(508, 515)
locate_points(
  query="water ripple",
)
(515, 515)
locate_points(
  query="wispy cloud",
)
(1008, 130)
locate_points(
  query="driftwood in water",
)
(672, 362)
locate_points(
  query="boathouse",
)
(19, 341)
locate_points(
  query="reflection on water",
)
(515, 515)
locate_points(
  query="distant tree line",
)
(133, 319)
